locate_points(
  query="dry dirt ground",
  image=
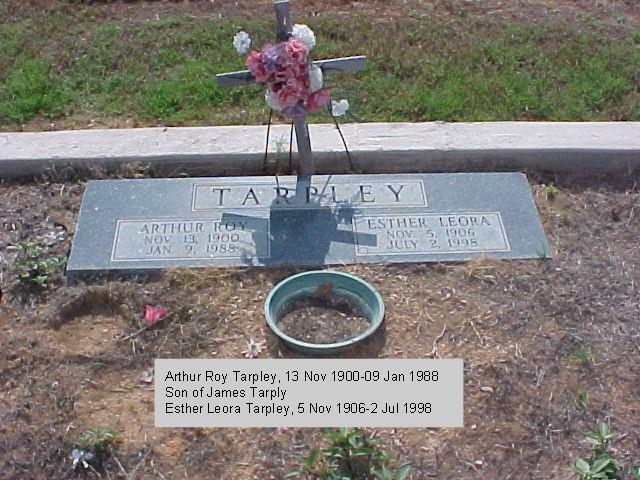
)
(616, 15)
(550, 347)
(613, 12)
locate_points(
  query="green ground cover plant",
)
(351, 454)
(32, 266)
(602, 463)
(98, 439)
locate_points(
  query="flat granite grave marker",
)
(129, 226)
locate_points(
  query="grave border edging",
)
(587, 147)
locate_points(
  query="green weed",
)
(585, 355)
(580, 399)
(542, 252)
(98, 440)
(550, 191)
(351, 455)
(563, 219)
(600, 465)
(31, 268)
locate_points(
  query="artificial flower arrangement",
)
(294, 84)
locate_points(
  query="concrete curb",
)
(375, 148)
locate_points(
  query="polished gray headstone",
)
(135, 225)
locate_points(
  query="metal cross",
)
(336, 65)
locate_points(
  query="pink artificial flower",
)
(256, 66)
(295, 71)
(153, 314)
(318, 100)
(293, 91)
(296, 51)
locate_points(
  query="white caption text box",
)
(309, 393)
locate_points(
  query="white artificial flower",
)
(315, 78)
(339, 108)
(80, 457)
(254, 348)
(242, 42)
(272, 100)
(305, 35)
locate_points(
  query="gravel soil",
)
(549, 348)
(323, 317)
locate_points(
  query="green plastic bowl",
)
(303, 285)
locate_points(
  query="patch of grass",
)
(190, 94)
(585, 355)
(420, 69)
(30, 90)
(282, 148)
(11, 41)
(527, 74)
(580, 399)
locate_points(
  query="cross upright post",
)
(305, 156)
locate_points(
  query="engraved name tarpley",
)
(153, 240)
(282, 194)
(432, 233)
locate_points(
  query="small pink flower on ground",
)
(296, 51)
(256, 66)
(282, 429)
(318, 100)
(254, 348)
(153, 314)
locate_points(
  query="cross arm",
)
(234, 79)
(342, 65)
(334, 65)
